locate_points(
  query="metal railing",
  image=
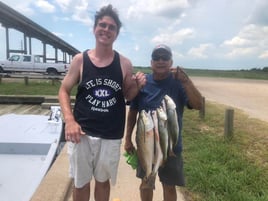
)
(28, 76)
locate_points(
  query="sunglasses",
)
(162, 57)
(103, 25)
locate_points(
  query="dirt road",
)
(248, 95)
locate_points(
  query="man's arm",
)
(194, 96)
(131, 121)
(72, 129)
(131, 83)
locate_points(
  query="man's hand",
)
(179, 74)
(140, 79)
(73, 132)
(129, 147)
(194, 96)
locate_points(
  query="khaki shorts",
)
(94, 157)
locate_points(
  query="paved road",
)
(248, 95)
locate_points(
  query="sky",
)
(203, 34)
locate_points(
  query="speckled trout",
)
(145, 144)
(158, 154)
(163, 131)
(173, 126)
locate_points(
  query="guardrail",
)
(29, 76)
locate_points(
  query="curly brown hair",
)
(108, 11)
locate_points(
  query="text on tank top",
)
(100, 104)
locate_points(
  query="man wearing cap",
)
(164, 80)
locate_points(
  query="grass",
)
(34, 87)
(248, 74)
(218, 169)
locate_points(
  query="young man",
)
(173, 82)
(96, 125)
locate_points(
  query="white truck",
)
(31, 63)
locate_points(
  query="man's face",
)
(106, 30)
(161, 62)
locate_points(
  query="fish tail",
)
(151, 180)
(145, 186)
(171, 153)
(148, 182)
(164, 162)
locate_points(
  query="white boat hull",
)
(28, 146)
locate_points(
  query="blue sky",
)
(209, 34)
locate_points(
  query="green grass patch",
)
(218, 169)
(34, 87)
(243, 74)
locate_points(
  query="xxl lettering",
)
(102, 93)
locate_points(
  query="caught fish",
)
(158, 155)
(172, 119)
(163, 131)
(145, 144)
(156, 135)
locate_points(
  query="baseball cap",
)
(162, 48)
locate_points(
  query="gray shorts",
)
(94, 157)
(170, 174)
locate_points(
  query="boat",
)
(28, 146)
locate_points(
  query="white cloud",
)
(70, 35)
(45, 6)
(77, 8)
(264, 55)
(65, 19)
(228, 32)
(82, 17)
(21, 6)
(201, 51)
(65, 5)
(173, 38)
(236, 41)
(136, 48)
(160, 8)
(58, 34)
(252, 40)
(238, 52)
(253, 32)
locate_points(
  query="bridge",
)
(11, 19)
